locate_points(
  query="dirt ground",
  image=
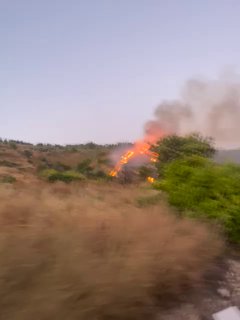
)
(222, 290)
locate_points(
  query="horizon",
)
(118, 144)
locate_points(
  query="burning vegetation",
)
(142, 148)
(139, 148)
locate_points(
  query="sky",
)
(74, 71)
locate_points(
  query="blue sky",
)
(74, 71)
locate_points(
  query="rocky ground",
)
(222, 291)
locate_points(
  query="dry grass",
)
(87, 252)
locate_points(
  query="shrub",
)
(60, 166)
(85, 167)
(200, 188)
(78, 258)
(53, 175)
(7, 179)
(12, 145)
(98, 174)
(28, 154)
(145, 172)
(6, 163)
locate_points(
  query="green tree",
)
(200, 188)
(175, 147)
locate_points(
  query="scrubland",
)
(93, 251)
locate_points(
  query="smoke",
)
(211, 107)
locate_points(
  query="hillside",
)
(96, 248)
(24, 162)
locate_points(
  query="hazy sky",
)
(77, 71)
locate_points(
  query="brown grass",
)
(87, 252)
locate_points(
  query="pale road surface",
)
(221, 294)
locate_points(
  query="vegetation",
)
(28, 154)
(7, 179)
(109, 250)
(90, 253)
(53, 175)
(58, 166)
(85, 167)
(13, 145)
(200, 188)
(6, 163)
(145, 171)
(175, 147)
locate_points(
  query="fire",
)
(153, 133)
(139, 148)
(150, 179)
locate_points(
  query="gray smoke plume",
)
(211, 107)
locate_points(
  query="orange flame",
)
(139, 148)
(150, 179)
(153, 133)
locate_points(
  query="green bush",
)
(176, 147)
(201, 188)
(53, 175)
(85, 167)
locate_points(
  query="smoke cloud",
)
(211, 107)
